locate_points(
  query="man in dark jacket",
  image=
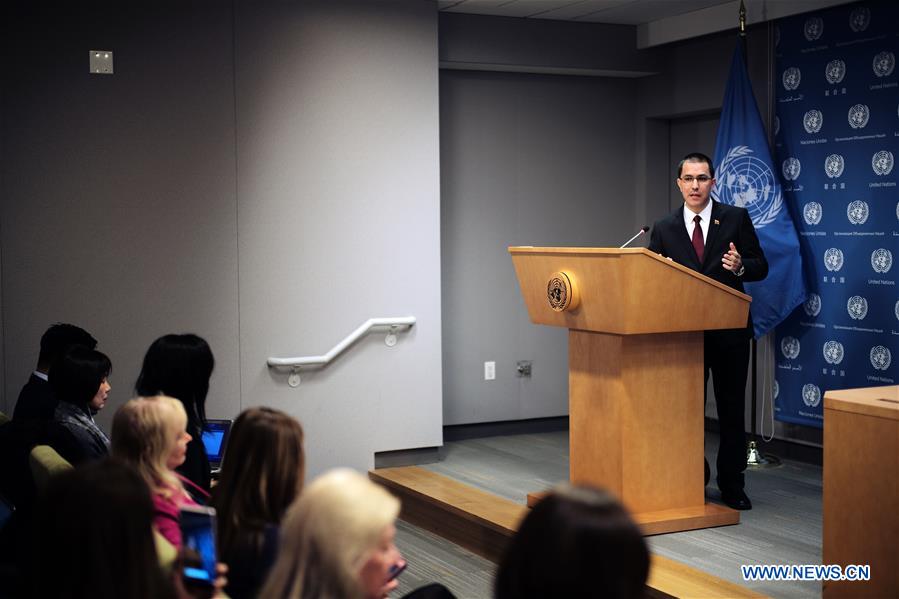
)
(37, 400)
(720, 242)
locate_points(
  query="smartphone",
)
(198, 538)
(397, 569)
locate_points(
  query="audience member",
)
(150, 434)
(94, 538)
(36, 400)
(577, 542)
(262, 474)
(80, 380)
(337, 541)
(180, 366)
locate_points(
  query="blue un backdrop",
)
(836, 143)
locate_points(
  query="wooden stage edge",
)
(483, 523)
(674, 520)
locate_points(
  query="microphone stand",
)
(642, 231)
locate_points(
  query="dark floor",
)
(784, 526)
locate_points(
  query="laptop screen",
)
(215, 439)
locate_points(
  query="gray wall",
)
(339, 218)
(119, 208)
(267, 179)
(526, 160)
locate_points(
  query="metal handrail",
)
(394, 323)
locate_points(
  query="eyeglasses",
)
(701, 179)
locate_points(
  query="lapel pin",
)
(716, 222)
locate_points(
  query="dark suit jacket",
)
(36, 401)
(728, 224)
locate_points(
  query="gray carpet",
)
(784, 526)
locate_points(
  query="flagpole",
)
(755, 459)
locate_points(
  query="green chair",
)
(165, 551)
(3, 418)
(45, 462)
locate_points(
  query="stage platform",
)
(484, 485)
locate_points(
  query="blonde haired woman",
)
(255, 488)
(150, 434)
(337, 541)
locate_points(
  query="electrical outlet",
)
(523, 368)
(100, 62)
(489, 371)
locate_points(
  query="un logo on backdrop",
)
(896, 309)
(791, 78)
(812, 305)
(881, 358)
(814, 27)
(882, 162)
(858, 116)
(835, 71)
(857, 306)
(747, 182)
(881, 260)
(812, 121)
(789, 346)
(811, 395)
(859, 19)
(812, 213)
(884, 63)
(833, 165)
(791, 168)
(857, 212)
(833, 352)
(833, 259)
(776, 388)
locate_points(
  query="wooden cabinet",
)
(861, 488)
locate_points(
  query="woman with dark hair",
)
(80, 380)
(577, 542)
(180, 366)
(93, 537)
(255, 489)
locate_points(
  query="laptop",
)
(215, 439)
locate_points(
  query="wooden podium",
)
(635, 373)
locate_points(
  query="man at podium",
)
(719, 241)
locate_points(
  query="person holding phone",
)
(150, 434)
(93, 538)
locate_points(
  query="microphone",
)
(642, 231)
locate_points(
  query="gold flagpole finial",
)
(742, 19)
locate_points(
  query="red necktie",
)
(698, 243)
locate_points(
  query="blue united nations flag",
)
(745, 178)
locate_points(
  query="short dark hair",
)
(77, 375)
(577, 542)
(93, 531)
(57, 338)
(179, 366)
(696, 157)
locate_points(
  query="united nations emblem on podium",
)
(561, 292)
